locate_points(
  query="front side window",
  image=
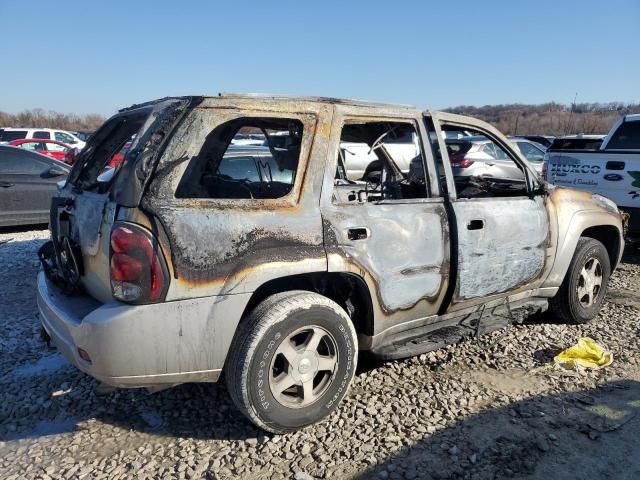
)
(229, 167)
(32, 146)
(42, 134)
(379, 161)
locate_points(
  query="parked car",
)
(577, 142)
(544, 140)
(610, 167)
(189, 261)
(28, 181)
(476, 156)
(51, 148)
(11, 134)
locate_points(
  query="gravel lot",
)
(484, 408)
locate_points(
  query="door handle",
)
(6, 185)
(613, 165)
(359, 233)
(475, 225)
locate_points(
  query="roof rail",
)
(270, 96)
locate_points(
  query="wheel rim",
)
(589, 282)
(303, 367)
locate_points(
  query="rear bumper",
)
(142, 345)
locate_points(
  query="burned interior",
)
(481, 166)
(392, 161)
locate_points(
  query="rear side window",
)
(626, 137)
(228, 168)
(42, 134)
(33, 146)
(11, 135)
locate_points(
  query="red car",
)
(51, 148)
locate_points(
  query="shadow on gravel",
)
(589, 434)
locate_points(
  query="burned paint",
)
(508, 251)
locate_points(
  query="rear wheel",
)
(292, 361)
(582, 292)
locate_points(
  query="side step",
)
(454, 328)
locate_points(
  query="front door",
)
(387, 227)
(502, 225)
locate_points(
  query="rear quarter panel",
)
(221, 246)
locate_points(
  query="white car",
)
(476, 156)
(10, 134)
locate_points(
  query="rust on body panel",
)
(223, 246)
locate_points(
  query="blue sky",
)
(84, 56)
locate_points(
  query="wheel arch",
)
(346, 289)
(609, 236)
(600, 225)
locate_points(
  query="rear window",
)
(11, 135)
(107, 142)
(576, 144)
(626, 137)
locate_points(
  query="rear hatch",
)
(97, 194)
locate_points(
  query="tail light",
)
(138, 269)
(461, 162)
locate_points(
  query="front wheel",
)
(582, 292)
(292, 361)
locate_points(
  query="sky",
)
(95, 57)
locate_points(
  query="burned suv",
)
(195, 257)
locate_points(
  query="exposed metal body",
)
(419, 264)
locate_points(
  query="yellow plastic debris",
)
(586, 354)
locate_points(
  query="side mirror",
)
(53, 172)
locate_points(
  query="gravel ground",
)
(487, 408)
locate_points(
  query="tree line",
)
(547, 119)
(39, 117)
(550, 118)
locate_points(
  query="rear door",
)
(26, 187)
(390, 229)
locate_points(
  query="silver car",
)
(477, 156)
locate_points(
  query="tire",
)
(572, 303)
(274, 347)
